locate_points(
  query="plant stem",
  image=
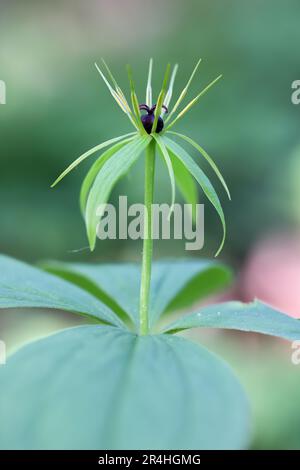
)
(148, 242)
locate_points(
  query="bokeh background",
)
(57, 107)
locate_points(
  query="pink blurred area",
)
(271, 273)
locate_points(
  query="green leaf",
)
(175, 284)
(88, 153)
(117, 285)
(255, 317)
(207, 158)
(22, 286)
(164, 152)
(186, 184)
(113, 169)
(202, 179)
(98, 387)
(94, 170)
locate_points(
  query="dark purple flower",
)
(148, 119)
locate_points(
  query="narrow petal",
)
(169, 94)
(161, 98)
(135, 102)
(149, 85)
(184, 91)
(117, 94)
(193, 102)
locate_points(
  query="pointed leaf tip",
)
(256, 317)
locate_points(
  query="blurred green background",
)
(57, 107)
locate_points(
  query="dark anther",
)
(144, 107)
(148, 119)
(154, 108)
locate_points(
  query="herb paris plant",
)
(125, 379)
(151, 132)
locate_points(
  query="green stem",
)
(148, 242)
